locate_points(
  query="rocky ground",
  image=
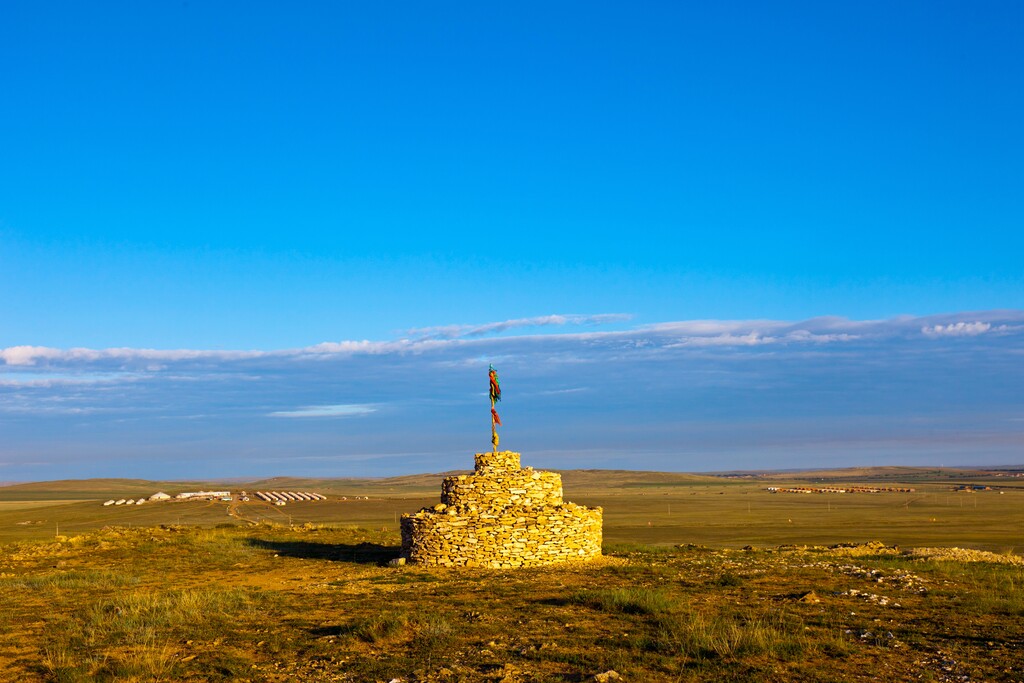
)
(321, 604)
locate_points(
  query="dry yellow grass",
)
(315, 601)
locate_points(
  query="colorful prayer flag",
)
(495, 387)
(495, 393)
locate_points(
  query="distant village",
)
(837, 489)
(274, 497)
(867, 489)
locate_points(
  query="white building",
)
(195, 495)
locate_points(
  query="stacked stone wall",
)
(525, 487)
(502, 517)
(492, 463)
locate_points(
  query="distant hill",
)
(411, 484)
(88, 489)
(419, 484)
(630, 479)
(884, 474)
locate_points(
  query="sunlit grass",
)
(318, 603)
(91, 579)
(728, 634)
(626, 600)
(139, 633)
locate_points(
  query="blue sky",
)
(248, 238)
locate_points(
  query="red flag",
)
(494, 416)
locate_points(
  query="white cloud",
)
(959, 329)
(28, 355)
(38, 379)
(666, 335)
(733, 386)
(346, 347)
(748, 339)
(806, 336)
(342, 410)
(759, 338)
(457, 331)
(31, 355)
(709, 328)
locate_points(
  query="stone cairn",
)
(503, 516)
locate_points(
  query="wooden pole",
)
(492, 382)
(494, 429)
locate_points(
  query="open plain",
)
(704, 578)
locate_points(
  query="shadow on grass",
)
(330, 631)
(362, 553)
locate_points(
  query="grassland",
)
(212, 592)
(640, 507)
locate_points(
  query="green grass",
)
(71, 580)
(727, 634)
(378, 627)
(140, 633)
(729, 579)
(626, 600)
(979, 588)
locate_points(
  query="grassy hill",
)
(883, 475)
(94, 489)
(632, 479)
(102, 489)
(428, 483)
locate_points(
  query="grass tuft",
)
(432, 632)
(61, 664)
(71, 580)
(132, 636)
(625, 600)
(725, 635)
(378, 627)
(728, 579)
